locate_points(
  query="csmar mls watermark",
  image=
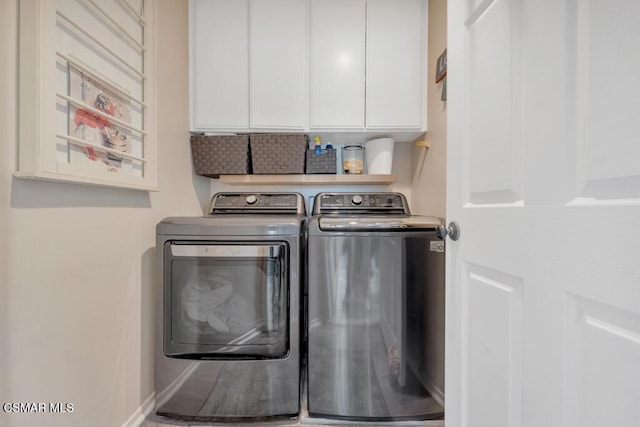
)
(37, 407)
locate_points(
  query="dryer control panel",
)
(257, 203)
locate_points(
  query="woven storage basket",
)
(321, 163)
(220, 155)
(278, 153)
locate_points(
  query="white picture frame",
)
(86, 92)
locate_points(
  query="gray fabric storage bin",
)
(278, 153)
(217, 155)
(324, 162)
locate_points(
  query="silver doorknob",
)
(452, 230)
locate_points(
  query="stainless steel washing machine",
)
(231, 307)
(370, 265)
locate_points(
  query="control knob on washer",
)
(252, 199)
(356, 200)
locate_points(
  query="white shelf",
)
(309, 179)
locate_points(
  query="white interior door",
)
(543, 286)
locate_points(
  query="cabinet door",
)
(219, 59)
(277, 68)
(337, 64)
(396, 50)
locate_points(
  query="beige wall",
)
(428, 183)
(77, 285)
(8, 29)
(428, 187)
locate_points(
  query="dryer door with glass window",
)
(225, 300)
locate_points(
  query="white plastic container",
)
(379, 155)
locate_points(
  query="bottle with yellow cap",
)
(318, 147)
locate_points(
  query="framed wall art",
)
(441, 67)
(86, 92)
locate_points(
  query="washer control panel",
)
(361, 203)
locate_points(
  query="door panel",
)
(603, 347)
(337, 50)
(219, 64)
(543, 286)
(493, 342)
(394, 43)
(277, 66)
(603, 131)
(495, 131)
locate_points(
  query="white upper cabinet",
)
(219, 64)
(337, 69)
(247, 64)
(277, 70)
(309, 66)
(395, 72)
(368, 64)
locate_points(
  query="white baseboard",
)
(435, 392)
(159, 399)
(141, 413)
(166, 394)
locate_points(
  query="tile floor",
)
(157, 421)
(154, 420)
